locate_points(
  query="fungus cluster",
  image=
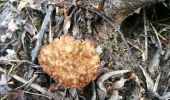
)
(73, 63)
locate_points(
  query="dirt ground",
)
(134, 56)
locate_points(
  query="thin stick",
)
(19, 61)
(50, 33)
(156, 33)
(28, 82)
(35, 86)
(146, 34)
(10, 70)
(36, 94)
(41, 33)
(157, 82)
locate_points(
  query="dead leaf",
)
(106, 76)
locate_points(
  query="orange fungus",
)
(73, 63)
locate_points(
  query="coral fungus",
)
(73, 63)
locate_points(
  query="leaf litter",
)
(134, 58)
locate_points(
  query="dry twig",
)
(41, 33)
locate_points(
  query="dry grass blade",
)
(145, 57)
(149, 81)
(157, 36)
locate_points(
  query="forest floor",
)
(134, 57)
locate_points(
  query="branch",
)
(41, 33)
